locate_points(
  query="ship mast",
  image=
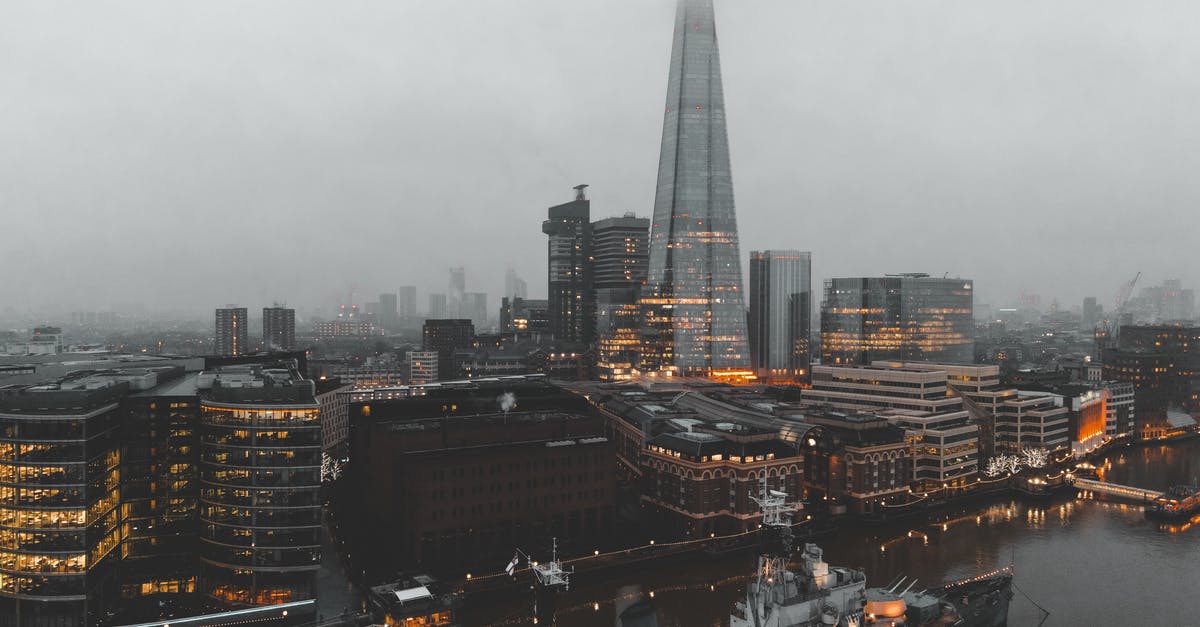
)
(777, 549)
(549, 578)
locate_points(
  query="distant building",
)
(46, 341)
(474, 307)
(454, 295)
(232, 326)
(438, 306)
(356, 327)
(279, 329)
(422, 367)
(525, 315)
(1162, 362)
(911, 317)
(444, 337)
(620, 258)
(389, 313)
(406, 302)
(1091, 314)
(514, 286)
(570, 288)
(780, 318)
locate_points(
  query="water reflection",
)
(1087, 561)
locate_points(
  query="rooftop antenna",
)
(579, 195)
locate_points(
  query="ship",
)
(816, 594)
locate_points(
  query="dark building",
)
(60, 500)
(279, 329)
(445, 337)
(260, 474)
(570, 289)
(620, 258)
(909, 317)
(160, 486)
(1163, 364)
(461, 475)
(780, 318)
(525, 315)
(231, 329)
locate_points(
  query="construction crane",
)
(1124, 293)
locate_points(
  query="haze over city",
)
(185, 156)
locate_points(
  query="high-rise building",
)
(780, 321)
(445, 337)
(620, 257)
(389, 313)
(406, 302)
(438, 307)
(514, 286)
(59, 569)
(279, 328)
(458, 287)
(422, 367)
(694, 308)
(1091, 314)
(474, 307)
(232, 323)
(570, 290)
(907, 317)
(260, 474)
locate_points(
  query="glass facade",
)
(693, 305)
(260, 511)
(909, 317)
(59, 491)
(780, 321)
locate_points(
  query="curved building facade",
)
(260, 463)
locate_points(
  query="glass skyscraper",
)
(695, 319)
(780, 320)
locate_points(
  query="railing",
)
(1140, 495)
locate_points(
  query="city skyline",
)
(1002, 132)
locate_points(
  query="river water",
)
(1087, 562)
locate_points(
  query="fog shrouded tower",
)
(695, 320)
(279, 328)
(231, 327)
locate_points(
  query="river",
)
(1086, 562)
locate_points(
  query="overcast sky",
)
(190, 154)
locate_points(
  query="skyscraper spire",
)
(695, 318)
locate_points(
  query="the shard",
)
(695, 319)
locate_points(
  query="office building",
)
(279, 329)
(422, 367)
(232, 325)
(694, 306)
(444, 337)
(389, 313)
(515, 286)
(780, 319)
(621, 256)
(61, 567)
(1091, 314)
(438, 306)
(525, 315)
(457, 288)
(475, 309)
(406, 302)
(260, 465)
(908, 317)
(570, 291)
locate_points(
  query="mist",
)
(183, 156)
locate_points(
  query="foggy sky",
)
(201, 153)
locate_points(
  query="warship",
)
(817, 594)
